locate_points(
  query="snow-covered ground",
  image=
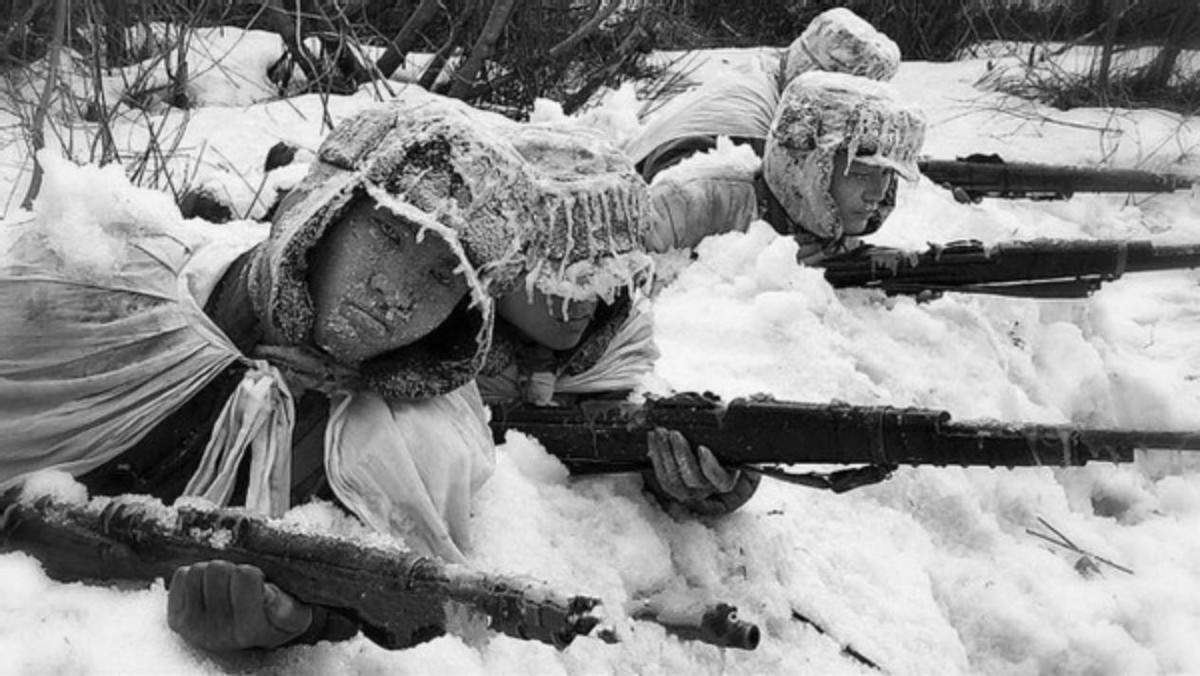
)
(932, 572)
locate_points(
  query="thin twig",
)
(1066, 543)
(847, 649)
(36, 133)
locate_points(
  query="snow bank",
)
(933, 571)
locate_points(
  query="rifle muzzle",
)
(717, 625)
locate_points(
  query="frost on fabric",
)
(838, 40)
(592, 212)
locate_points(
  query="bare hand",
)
(695, 479)
(222, 606)
(963, 197)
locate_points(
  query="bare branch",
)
(398, 49)
(434, 68)
(485, 44)
(598, 17)
(36, 133)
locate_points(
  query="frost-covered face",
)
(552, 321)
(375, 287)
(857, 191)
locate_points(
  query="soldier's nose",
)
(379, 282)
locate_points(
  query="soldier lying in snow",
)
(333, 359)
(826, 176)
(576, 325)
(742, 107)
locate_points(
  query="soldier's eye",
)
(393, 231)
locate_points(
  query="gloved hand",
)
(222, 606)
(695, 479)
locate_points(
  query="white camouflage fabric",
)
(91, 360)
(743, 105)
(840, 41)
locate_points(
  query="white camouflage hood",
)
(839, 41)
(821, 114)
(592, 212)
(438, 164)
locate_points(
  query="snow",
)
(932, 571)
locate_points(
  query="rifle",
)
(601, 436)
(1033, 269)
(397, 598)
(989, 176)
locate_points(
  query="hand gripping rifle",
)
(1034, 269)
(398, 599)
(610, 436)
(989, 176)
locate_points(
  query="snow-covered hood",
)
(820, 114)
(592, 211)
(404, 156)
(840, 41)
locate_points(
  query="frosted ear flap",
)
(351, 141)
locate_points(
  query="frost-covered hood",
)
(820, 114)
(839, 41)
(432, 163)
(562, 204)
(592, 211)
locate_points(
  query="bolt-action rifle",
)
(601, 436)
(989, 176)
(1035, 269)
(397, 598)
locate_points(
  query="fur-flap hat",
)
(438, 164)
(592, 212)
(821, 114)
(839, 41)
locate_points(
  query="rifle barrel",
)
(1059, 268)
(611, 436)
(1024, 179)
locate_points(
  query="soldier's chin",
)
(564, 336)
(343, 342)
(855, 224)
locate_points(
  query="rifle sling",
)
(838, 481)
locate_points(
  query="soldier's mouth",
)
(365, 317)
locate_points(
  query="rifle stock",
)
(1037, 268)
(988, 176)
(610, 436)
(398, 599)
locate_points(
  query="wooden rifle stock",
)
(398, 598)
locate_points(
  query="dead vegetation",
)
(60, 58)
